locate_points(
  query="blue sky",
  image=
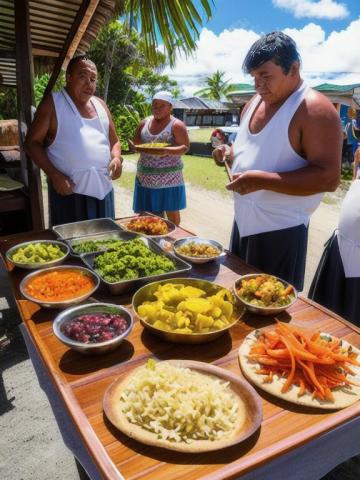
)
(263, 16)
(327, 33)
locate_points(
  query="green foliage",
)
(123, 69)
(173, 23)
(125, 79)
(216, 86)
(127, 118)
(41, 82)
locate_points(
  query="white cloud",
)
(333, 58)
(224, 52)
(314, 9)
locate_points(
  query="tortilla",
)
(248, 421)
(343, 397)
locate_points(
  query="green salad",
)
(90, 246)
(131, 260)
(37, 253)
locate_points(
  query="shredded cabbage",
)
(180, 404)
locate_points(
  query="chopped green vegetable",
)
(131, 260)
(90, 246)
(37, 253)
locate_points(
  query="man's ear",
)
(294, 69)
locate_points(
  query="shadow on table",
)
(205, 352)
(78, 364)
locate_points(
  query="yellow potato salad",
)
(186, 309)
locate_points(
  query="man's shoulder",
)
(46, 106)
(99, 99)
(316, 104)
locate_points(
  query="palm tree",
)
(173, 23)
(216, 87)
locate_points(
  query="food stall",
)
(300, 440)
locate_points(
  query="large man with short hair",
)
(286, 154)
(73, 139)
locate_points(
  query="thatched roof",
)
(199, 103)
(51, 22)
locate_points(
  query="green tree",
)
(123, 68)
(173, 23)
(41, 82)
(216, 86)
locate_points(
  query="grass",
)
(200, 172)
(201, 135)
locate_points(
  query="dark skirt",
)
(158, 200)
(281, 253)
(332, 289)
(77, 207)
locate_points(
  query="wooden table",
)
(81, 381)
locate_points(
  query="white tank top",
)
(81, 148)
(270, 150)
(349, 231)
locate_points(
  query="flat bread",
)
(343, 397)
(247, 424)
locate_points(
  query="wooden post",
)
(25, 99)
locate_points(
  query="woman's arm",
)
(182, 142)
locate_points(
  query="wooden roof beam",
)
(76, 32)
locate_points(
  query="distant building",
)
(348, 95)
(204, 112)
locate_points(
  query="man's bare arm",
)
(35, 146)
(321, 142)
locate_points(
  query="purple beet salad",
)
(95, 327)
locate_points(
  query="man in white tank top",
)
(286, 154)
(73, 139)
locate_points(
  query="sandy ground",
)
(31, 447)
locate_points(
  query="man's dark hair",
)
(77, 59)
(275, 46)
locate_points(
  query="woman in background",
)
(159, 184)
(336, 283)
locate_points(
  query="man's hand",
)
(115, 167)
(248, 182)
(62, 184)
(221, 153)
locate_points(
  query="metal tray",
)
(115, 234)
(85, 228)
(123, 286)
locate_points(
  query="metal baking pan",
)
(86, 227)
(117, 288)
(114, 235)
